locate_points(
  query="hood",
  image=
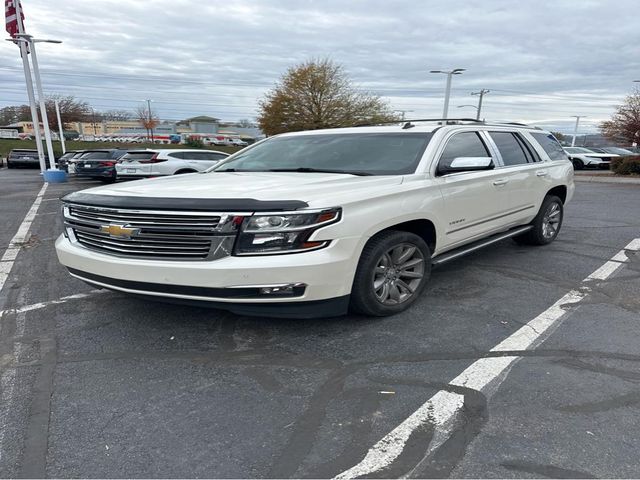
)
(316, 189)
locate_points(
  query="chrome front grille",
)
(162, 235)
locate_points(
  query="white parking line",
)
(440, 410)
(37, 306)
(10, 254)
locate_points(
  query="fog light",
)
(291, 290)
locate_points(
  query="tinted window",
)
(135, 156)
(176, 155)
(510, 149)
(24, 153)
(368, 153)
(96, 156)
(529, 151)
(550, 145)
(467, 144)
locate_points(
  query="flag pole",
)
(43, 108)
(27, 77)
(60, 127)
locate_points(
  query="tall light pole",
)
(60, 127)
(481, 93)
(150, 122)
(22, 44)
(43, 110)
(472, 106)
(447, 92)
(575, 130)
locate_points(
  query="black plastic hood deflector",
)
(184, 204)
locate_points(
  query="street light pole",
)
(447, 92)
(575, 130)
(22, 44)
(43, 109)
(150, 124)
(60, 128)
(481, 93)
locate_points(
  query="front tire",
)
(577, 164)
(546, 225)
(392, 273)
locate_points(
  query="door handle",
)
(502, 181)
(542, 173)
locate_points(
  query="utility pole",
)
(60, 127)
(481, 93)
(22, 44)
(575, 130)
(447, 92)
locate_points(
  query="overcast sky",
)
(543, 61)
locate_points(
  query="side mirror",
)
(467, 164)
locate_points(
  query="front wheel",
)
(392, 274)
(546, 225)
(577, 164)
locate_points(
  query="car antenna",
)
(408, 125)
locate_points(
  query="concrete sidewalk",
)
(604, 177)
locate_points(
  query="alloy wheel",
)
(398, 274)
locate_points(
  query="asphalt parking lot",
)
(103, 385)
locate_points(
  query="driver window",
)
(465, 144)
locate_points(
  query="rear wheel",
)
(577, 164)
(546, 225)
(392, 273)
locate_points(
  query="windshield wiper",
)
(320, 170)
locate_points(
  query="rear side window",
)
(466, 144)
(511, 150)
(176, 155)
(135, 156)
(96, 156)
(550, 145)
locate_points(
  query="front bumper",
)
(327, 275)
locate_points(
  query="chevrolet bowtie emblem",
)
(119, 231)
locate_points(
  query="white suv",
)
(310, 224)
(161, 162)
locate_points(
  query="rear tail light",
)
(153, 159)
(107, 164)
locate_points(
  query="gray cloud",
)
(543, 60)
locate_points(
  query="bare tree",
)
(147, 119)
(318, 94)
(625, 122)
(71, 110)
(115, 115)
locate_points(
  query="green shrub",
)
(194, 142)
(626, 165)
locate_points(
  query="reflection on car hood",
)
(320, 188)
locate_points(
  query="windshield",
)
(358, 154)
(96, 156)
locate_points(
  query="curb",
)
(601, 179)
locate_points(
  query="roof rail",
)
(449, 121)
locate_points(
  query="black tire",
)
(364, 296)
(577, 164)
(539, 235)
(108, 180)
(180, 172)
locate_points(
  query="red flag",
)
(11, 18)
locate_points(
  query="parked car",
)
(161, 162)
(584, 158)
(309, 224)
(22, 157)
(617, 151)
(98, 164)
(236, 142)
(63, 161)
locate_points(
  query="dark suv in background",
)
(99, 164)
(20, 157)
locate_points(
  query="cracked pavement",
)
(108, 386)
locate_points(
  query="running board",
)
(472, 247)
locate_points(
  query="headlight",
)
(283, 233)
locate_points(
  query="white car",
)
(585, 158)
(236, 142)
(310, 224)
(162, 162)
